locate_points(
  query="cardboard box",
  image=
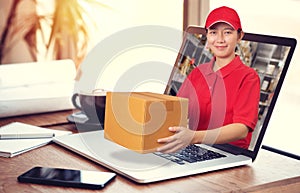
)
(136, 120)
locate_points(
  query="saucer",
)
(83, 123)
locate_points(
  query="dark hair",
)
(239, 30)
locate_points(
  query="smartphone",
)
(67, 177)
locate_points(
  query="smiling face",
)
(222, 40)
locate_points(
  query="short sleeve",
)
(247, 101)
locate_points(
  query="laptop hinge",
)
(229, 148)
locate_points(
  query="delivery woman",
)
(223, 93)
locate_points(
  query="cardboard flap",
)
(167, 100)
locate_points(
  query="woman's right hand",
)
(182, 138)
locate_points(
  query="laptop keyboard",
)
(191, 154)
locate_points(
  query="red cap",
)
(223, 14)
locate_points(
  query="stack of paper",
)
(17, 138)
(36, 87)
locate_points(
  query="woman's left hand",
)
(182, 137)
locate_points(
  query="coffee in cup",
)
(91, 104)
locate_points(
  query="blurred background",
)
(42, 30)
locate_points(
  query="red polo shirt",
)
(229, 95)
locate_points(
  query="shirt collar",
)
(224, 71)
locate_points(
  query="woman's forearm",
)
(221, 135)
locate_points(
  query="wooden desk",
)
(269, 173)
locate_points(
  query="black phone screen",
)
(67, 177)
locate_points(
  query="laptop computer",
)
(269, 55)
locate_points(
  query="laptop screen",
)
(268, 55)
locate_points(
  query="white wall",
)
(281, 18)
(123, 15)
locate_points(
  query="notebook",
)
(269, 55)
(17, 138)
